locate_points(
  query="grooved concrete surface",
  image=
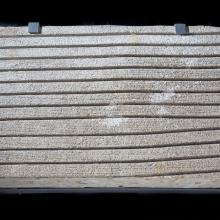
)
(110, 106)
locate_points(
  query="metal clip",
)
(34, 28)
(181, 29)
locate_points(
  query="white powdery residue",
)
(189, 63)
(197, 82)
(110, 110)
(112, 103)
(112, 118)
(3, 157)
(111, 107)
(162, 111)
(161, 97)
(113, 122)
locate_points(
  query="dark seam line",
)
(158, 175)
(113, 134)
(110, 80)
(109, 117)
(117, 162)
(112, 56)
(115, 147)
(111, 45)
(108, 104)
(110, 91)
(125, 176)
(115, 68)
(128, 33)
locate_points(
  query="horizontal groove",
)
(110, 68)
(114, 134)
(176, 173)
(111, 56)
(109, 103)
(89, 34)
(211, 171)
(106, 117)
(109, 45)
(113, 162)
(107, 92)
(115, 147)
(111, 80)
(105, 34)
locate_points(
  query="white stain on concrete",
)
(162, 111)
(162, 97)
(114, 122)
